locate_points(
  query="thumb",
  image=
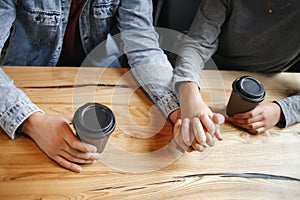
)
(218, 118)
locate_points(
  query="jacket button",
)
(38, 18)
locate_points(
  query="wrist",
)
(281, 119)
(189, 93)
(187, 86)
(30, 123)
(175, 115)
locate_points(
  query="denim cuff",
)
(157, 82)
(168, 104)
(16, 115)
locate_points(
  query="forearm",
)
(159, 90)
(201, 41)
(15, 106)
(290, 108)
(150, 66)
(190, 99)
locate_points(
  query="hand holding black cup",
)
(247, 93)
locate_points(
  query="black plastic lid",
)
(249, 89)
(94, 120)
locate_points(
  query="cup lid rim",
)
(245, 92)
(78, 122)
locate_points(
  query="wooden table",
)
(242, 166)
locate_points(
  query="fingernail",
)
(78, 169)
(186, 120)
(92, 148)
(97, 156)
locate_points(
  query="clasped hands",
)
(195, 134)
(195, 124)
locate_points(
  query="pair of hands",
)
(55, 138)
(198, 125)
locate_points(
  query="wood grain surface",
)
(242, 166)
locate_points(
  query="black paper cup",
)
(93, 124)
(247, 93)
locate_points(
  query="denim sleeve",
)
(7, 17)
(15, 106)
(149, 65)
(290, 107)
(201, 42)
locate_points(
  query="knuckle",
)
(251, 114)
(52, 156)
(73, 143)
(201, 140)
(248, 121)
(71, 166)
(252, 126)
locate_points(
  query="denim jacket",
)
(36, 29)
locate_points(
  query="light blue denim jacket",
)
(37, 29)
